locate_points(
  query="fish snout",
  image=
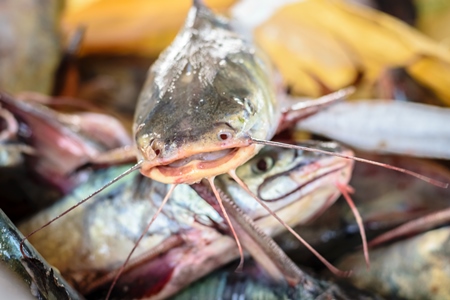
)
(161, 149)
(149, 146)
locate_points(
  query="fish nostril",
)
(157, 145)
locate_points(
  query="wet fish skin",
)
(27, 277)
(396, 269)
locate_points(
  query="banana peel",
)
(373, 40)
(433, 73)
(311, 60)
(73, 6)
(140, 27)
(318, 45)
(434, 19)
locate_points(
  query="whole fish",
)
(210, 102)
(186, 240)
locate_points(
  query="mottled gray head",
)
(209, 91)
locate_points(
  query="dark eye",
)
(264, 164)
(223, 136)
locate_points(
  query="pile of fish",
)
(203, 127)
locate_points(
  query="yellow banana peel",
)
(72, 6)
(318, 45)
(309, 58)
(142, 27)
(373, 40)
(433, 73)
(434, 19)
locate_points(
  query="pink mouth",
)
(191, 169)
(201, 161)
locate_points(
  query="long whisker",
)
(332, 268)
(345, 190)
(418, 225)
(169, 193)
(367, 161)
(130, 170)
(219, 200)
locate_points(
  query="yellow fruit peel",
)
(142, 27)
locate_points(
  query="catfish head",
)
(206, 96)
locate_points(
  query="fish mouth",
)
(193, 168)
(204, 156)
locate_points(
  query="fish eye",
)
(264, 164)
(223, 136)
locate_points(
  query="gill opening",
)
(355, 158)
(332, 268)
(114, 180)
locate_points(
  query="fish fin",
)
(303, 109)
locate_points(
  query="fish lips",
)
(192, 168)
